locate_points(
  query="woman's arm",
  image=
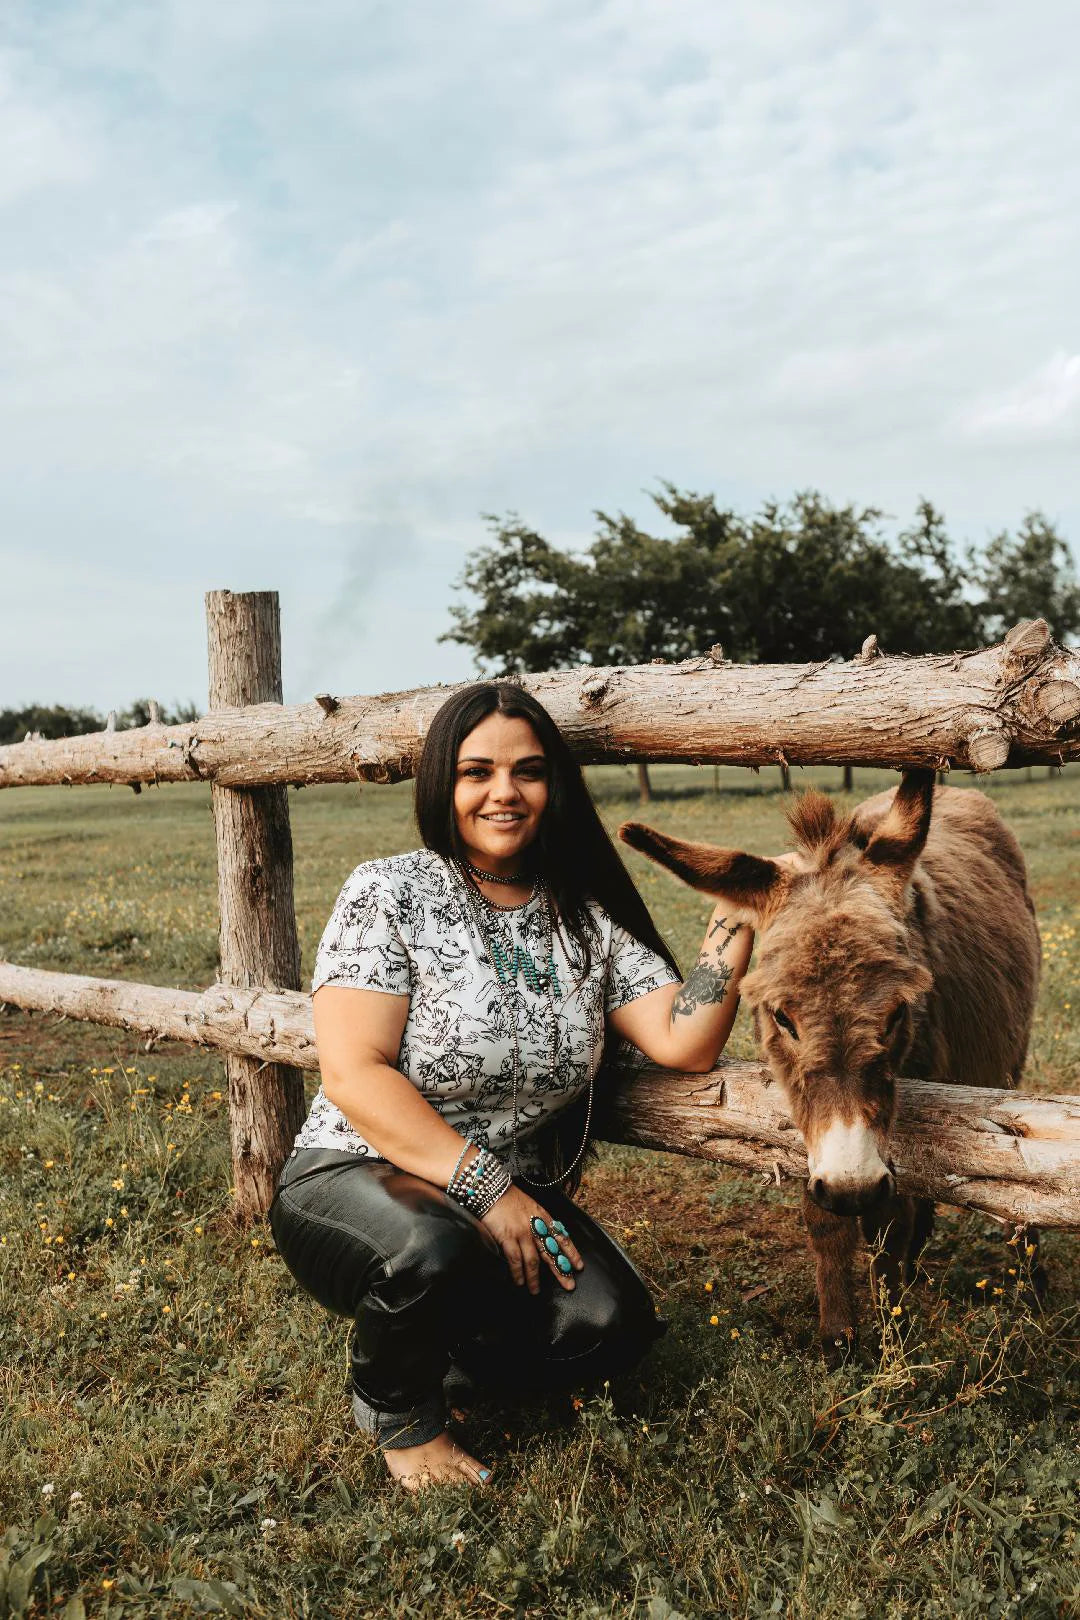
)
(685, 1026)
(358, 1035)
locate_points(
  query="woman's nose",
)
(504, 788)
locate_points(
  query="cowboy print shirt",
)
(405, 926)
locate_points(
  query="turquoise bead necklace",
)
(484, 911)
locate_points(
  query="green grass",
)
(175, 1436)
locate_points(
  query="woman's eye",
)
(785, 1023)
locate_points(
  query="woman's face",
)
(500, 792)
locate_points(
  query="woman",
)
(462, 997)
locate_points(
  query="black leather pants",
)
(427, 1287)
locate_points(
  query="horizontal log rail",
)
(1014, 704)
(1007, 1154)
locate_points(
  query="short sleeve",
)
(362, 945)
(633, 970)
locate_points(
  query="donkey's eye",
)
(893, 1023)
(785, 1022)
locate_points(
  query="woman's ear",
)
(749, 884)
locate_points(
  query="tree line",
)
(57, 720)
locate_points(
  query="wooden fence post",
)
(258, 939)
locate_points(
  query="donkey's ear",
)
(750, 884)
(898, 839)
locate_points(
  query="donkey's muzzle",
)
(844, 1199)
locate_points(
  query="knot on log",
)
(154, 711)
(595, 689)
(188, 748)
(715, 654)
(1026, 643)
(326, 703)
(1059, 702)
(868, 651)
(988, 747)
(381, 772)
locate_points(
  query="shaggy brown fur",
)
(906, 945)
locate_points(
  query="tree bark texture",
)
(1008, 1154)
(1014, 704)
(258, 939)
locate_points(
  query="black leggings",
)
(428, 1286)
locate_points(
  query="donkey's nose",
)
(847, 1197)
(886, 1187)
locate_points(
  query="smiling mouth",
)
(503, 817)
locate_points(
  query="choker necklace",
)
(492, 877)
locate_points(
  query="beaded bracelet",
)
(480, 1185)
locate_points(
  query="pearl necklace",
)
(478, 904)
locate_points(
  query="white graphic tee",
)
(405, 926)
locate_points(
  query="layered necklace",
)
(486, 916)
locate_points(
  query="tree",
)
(1029, 575)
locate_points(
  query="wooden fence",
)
(1011, 1155)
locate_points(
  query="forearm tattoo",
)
(707, 982)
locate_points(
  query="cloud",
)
(289, 295)
(1044, 407)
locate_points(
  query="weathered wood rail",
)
(1014, 704)
(1005, 1153)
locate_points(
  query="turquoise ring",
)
(564, 1265)
(559, 1229)
(540, 1227)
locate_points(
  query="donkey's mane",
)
(815, 825)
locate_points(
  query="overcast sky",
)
(291, 292)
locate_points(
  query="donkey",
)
(901, 941)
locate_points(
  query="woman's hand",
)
(509, 1221)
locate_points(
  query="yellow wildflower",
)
(714, 1321)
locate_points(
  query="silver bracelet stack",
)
(481, 1184)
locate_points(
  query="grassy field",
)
(175, 1436)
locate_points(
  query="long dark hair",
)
(572, 853)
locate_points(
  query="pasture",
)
(175, 1436)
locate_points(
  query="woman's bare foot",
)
(438, 1462)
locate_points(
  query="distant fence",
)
(1013, 1156)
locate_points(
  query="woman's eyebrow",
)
(482, 759)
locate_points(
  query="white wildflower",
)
(48, 1488)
